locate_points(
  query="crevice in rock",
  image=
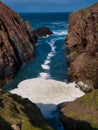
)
(84, 42)
(12, 43)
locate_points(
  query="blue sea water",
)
(50, 55)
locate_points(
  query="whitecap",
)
(46, 67)
(47, 94)
(50, 54)
(53, 48)
(47, 62)
(61, 32)
(44, 75)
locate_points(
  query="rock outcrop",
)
(82, 46)
(81, 114)
(16, 42)
(42, 32)
(18, 113)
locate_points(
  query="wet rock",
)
(82, 46)
(43, 32)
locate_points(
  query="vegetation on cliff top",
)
(84, 109)
(15, 110)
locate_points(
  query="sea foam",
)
(44, 75)
(47, 93)
(45, 66)
(65, 32)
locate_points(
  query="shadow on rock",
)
(73, 124)
(4, 125)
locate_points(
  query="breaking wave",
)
(61, 32)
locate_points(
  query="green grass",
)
(16, 110)
(84, 109)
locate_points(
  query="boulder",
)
(43, 32)
(82, 46)
(17, 41)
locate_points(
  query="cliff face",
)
(81, 114)
(82, 46)
(82, 54)
(17, 113)
(16, 42)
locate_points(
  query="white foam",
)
(44, 75)
(47, 62)
(47, 93)
(46, 67)
(53, 48)
(61, 32)
(50, 54)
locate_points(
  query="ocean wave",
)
(51, 54)
(47, 92)
(60, 23)
(44, 75)
(45, 66)
(60, 32)
(47, 62)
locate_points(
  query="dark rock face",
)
(16, 42)
(82, 46)
(73, 124)
(42, 32)
(17, 113)
(81, 114)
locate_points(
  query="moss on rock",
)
(84, 109)
(15, 110)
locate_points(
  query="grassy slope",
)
(16, 110)
(84, 109)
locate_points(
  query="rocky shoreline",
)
(82, 50)
(17, 46)
(17, 41)
(82, 46)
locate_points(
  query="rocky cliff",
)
(16, 42)
(82, 54)
(82, 46)
(81, 114)
(43, 32)
(17, 113)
